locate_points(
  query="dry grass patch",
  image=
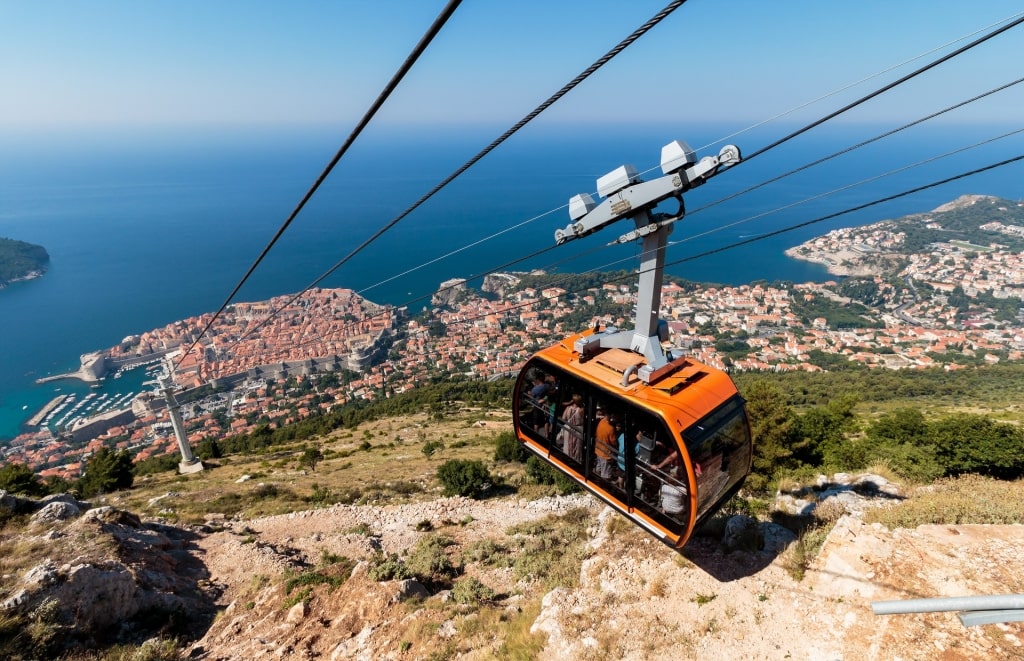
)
(552, 550)
(19, 554)
(519, 643)
(351, 472)
(969, 499)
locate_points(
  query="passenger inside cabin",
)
(570, 437)
(539, 397)
(551, 405)
(647, 483)
(673, 496)
(605, 442)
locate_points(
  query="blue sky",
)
(190, 63)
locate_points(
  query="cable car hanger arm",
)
(627, 196)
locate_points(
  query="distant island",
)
(21, 261)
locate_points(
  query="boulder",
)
(409, 589)
(742, 534)
(297, 613)
(98, 596)
(58, 510)
(108, 514)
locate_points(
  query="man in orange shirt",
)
(606, 440)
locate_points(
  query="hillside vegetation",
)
(918, 424)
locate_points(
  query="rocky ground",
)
(635, 599)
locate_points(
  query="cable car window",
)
(719, 446)
(536, 404)
(628, 454)
(651, 465)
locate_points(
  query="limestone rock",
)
(449, 291)
(409, 589)
(297, 613)
(97, 596)
(742, 534)
(56, 511)
(42, 575)
(108, 514)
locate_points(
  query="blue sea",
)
(147, 227)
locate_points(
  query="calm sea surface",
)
(144, 231)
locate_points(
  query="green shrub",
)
(551, 550)
(311, 578)
(430, 447)
(508, 448)
(388, 568)
(324, 497)
(487, 552)
(311, 457)
(541, 472)
(463, 477)
(265, 491)
(471, 591)
(429, 562)
(360, 529)
(18, 478)
(107, 471)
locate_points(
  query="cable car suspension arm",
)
(626, 196)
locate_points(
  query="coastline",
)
(842, 263)
(797, 252)
(31, 275)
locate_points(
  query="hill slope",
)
(518, 575)
(302, 585)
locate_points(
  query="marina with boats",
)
(66, 411)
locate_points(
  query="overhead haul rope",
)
(406, 66)
(883, 89)
(854, 84)
(849, 210)
(558, 282)
(604, 59)
(467, 247)
(856, 146)
(576, 81)
(846, 187)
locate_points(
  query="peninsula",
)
(973, 225)
(21, 261)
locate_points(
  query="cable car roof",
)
(683, 397)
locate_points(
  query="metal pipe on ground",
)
(968, 603)
(974, 618)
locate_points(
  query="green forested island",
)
(21, 261)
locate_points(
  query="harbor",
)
(42, 414)
(75, 401)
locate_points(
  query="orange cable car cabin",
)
(666, 455)
(661, 438)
